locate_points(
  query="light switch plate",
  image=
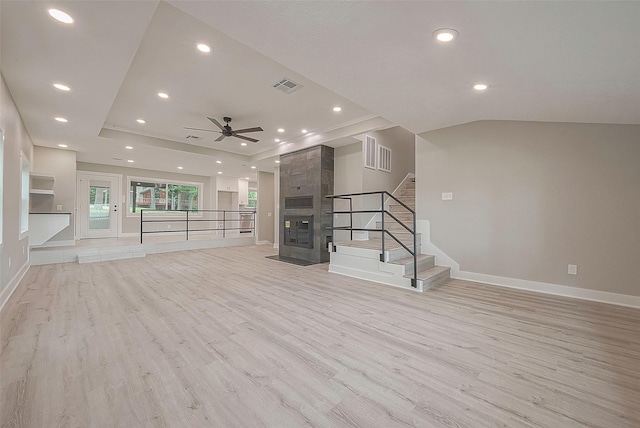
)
(573, 270)
(59, 207)
(447, 196)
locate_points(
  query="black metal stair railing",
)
(384, 231)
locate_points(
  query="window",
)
(163, 196)
(24, 190)
(384, 158)
(369, 152)
(253, 198)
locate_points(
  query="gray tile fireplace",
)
(306, 177)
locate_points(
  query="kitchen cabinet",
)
(243, 192)
(226, 184)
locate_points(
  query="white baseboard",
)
(263, 242)
(443, 259)
(554, 289)
(13, 284)
(276, 246)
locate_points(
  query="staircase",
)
(363, 258)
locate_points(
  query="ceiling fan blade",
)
(215, 122)
(220, 138)
(242, 137)
(200, 129)
(256, 129)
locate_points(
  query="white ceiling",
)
(545, 61)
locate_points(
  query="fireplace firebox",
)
(298, 230)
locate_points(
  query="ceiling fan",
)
(227, 131)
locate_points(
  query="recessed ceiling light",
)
(141, 121)
(128, 147)
(219, 172)
(304, 131)
(247, 178)
(130, 160)
(277, 140)
(277, 161)
(64, 146)
(445, 35)
(61, 87)
(180, 167)
(253, 167)
(243, 144)
(218, 161)
(163, 95)
(61, 119)
(204, 48)
(337, 108)
(280, 130)
(480, 87)
(61, 16)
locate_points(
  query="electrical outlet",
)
(269, 214)
(447, 196)
(168, 226)
(572, 270)
(59, 207)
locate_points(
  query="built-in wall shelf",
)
(39, 176)
(41, 184)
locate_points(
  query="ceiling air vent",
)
(193, 137)
(287, 86)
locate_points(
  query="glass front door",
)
(99, 207)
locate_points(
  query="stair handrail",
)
(383, 230)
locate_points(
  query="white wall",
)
(131, 224)
(402, 143)
(62, 165)
(352, 177)
(14, 249)
(529, 198)
(266, 207)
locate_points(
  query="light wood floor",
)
(227, 338)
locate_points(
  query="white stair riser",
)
(399, 253)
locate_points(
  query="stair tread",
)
(409, 259)
(434, 271)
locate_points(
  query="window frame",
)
(251, 199)
(25, 182)
(384, 158)
(1, 185)
(369, 152)
(166, 182)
